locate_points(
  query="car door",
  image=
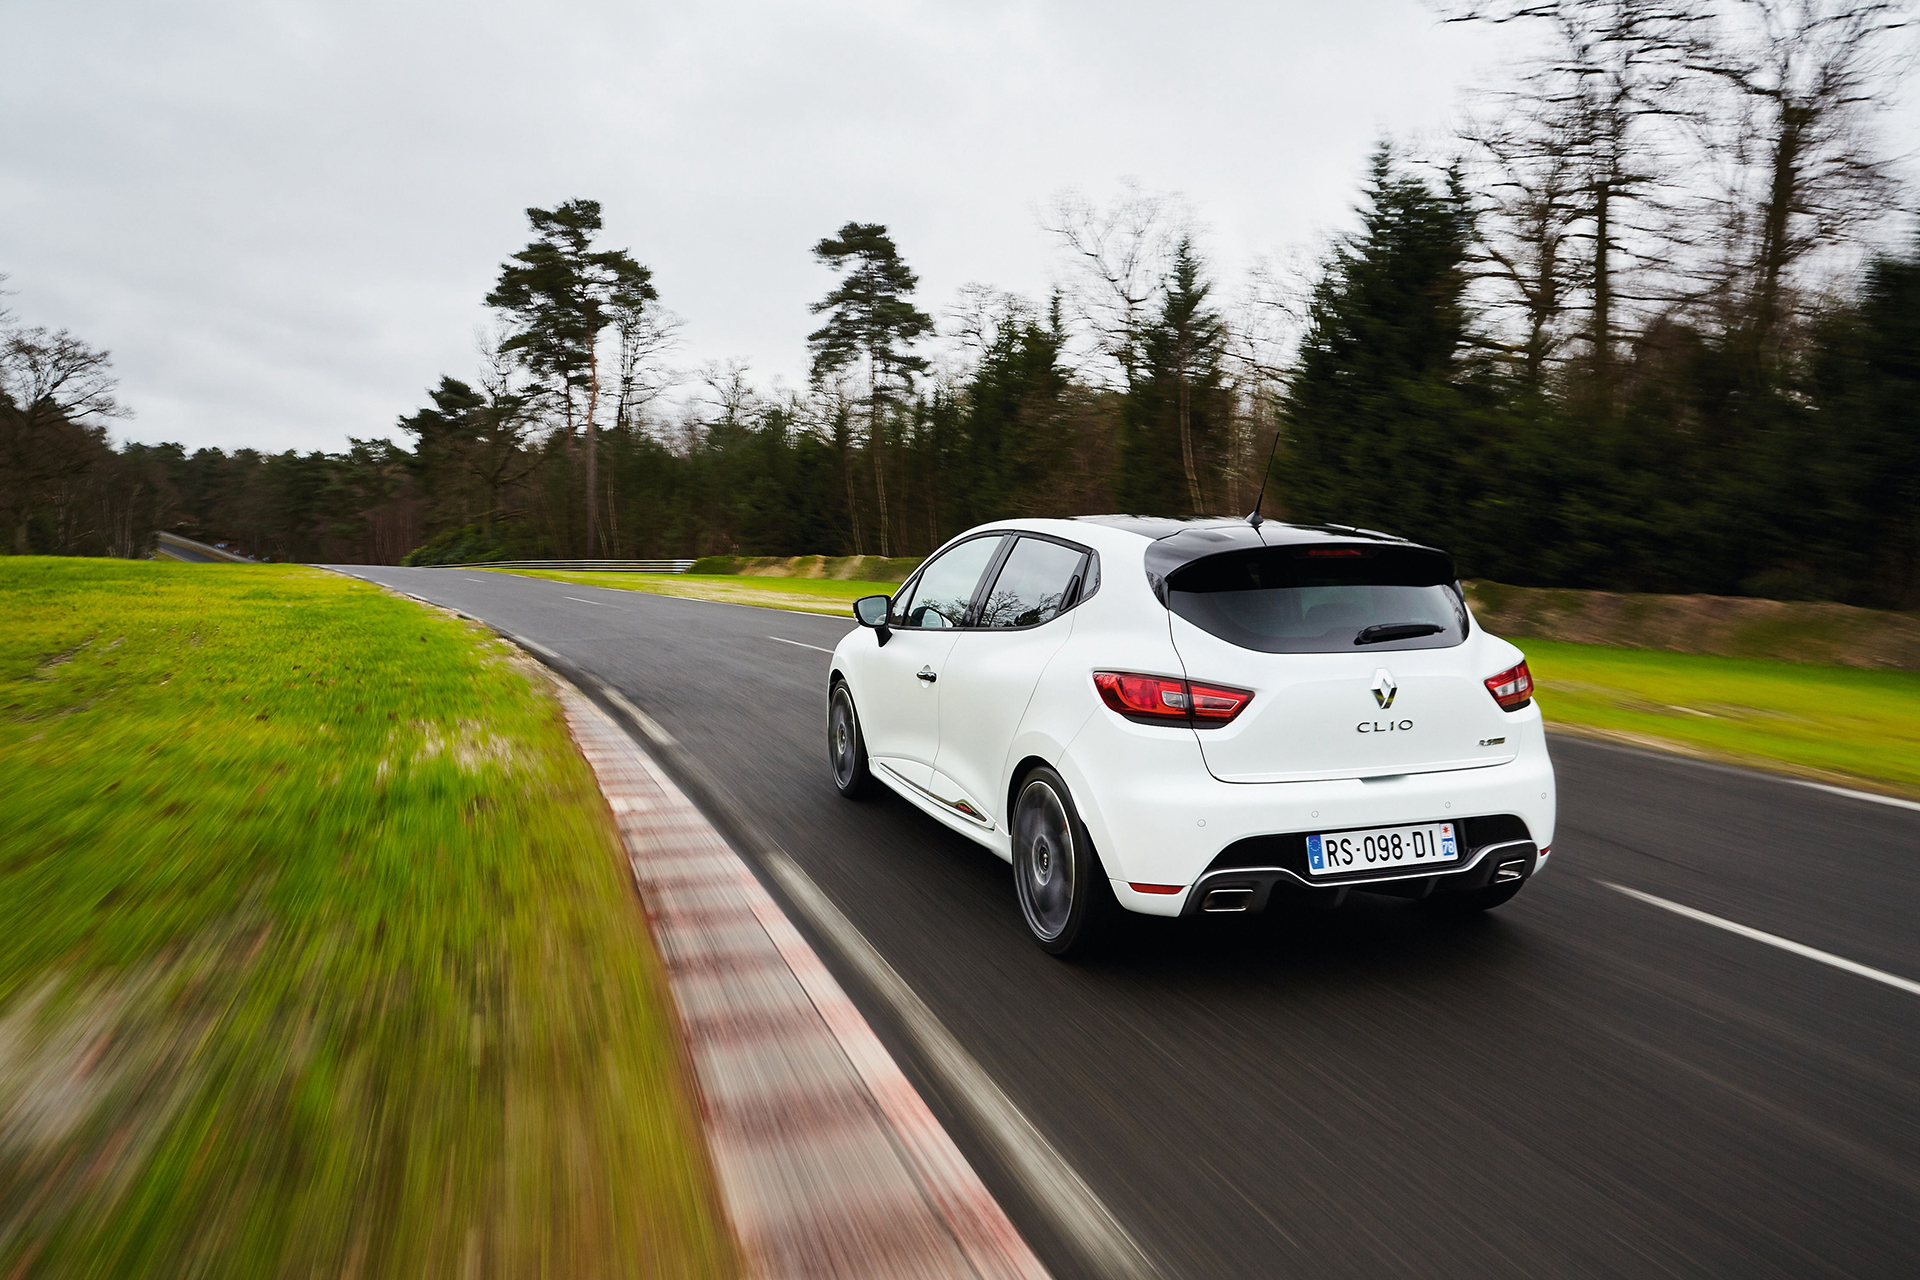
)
(899, 701)
(991, 672)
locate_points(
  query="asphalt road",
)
(192, 555)
(1580, 1084)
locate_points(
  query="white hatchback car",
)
(1179, 717)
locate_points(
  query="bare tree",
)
(1801, 165)
(980, 313)
(1608, 94)
(646, 334)
(730, 389)
(1262, 328)
(1121, 254)
(56, 395)
(1533, 197)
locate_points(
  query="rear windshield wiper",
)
(1397, 631)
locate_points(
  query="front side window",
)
(1322, 599)
(1039, 580)
(944, 590)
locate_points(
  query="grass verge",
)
(807, 595)
(1725, 626)
(1840, 724)
(317, 954)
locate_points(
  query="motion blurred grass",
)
(1839, 723)
(808, 595)
(317, 956)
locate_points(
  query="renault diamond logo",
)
(1384, 688)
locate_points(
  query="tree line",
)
(1646, 323)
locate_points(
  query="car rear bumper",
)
(1234, 889)
(1158, 818)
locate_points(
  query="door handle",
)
(927, 674)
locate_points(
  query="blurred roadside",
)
(318, 954)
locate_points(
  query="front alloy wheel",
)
(1063, 890)
(846, 749)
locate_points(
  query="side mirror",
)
(871, 611)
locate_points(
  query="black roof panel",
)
(1156, 526)
(1271, 533)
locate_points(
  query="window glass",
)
(1322, 599)
(1033, 585)
(945, 588)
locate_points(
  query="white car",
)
(1178, 717)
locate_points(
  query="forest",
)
(1649, 320)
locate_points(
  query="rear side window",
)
(1038, 582)
(944, 590)
(1338, 599)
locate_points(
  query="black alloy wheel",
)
(1064, 895)
(846, 749)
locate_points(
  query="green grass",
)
(317, 954)
(1838, 723)
(809, 595)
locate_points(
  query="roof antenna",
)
(1253, 517)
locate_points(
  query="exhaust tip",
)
(1509, 871)
(1227, 900)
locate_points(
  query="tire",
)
(1068, 906)
(847, 746)
(1471, 901)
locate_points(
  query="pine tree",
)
(869, 317)
(1379, 426)
(1014, 435)
(1176, 410)
(562, 294)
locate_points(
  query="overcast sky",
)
(281, 218)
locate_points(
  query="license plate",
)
(1383, 848)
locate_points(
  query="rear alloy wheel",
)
(1064, 894)
(846, 749)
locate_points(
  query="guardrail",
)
(581, 566)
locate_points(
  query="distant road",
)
(171, 546)
(1584, 1083)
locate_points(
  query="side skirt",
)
(991, 837)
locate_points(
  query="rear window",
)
(1339, 599)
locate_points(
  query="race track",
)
(1584, 1083)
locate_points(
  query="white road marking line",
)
(1055, 1187)
(648, 725)
(1048, 1178)
(816, 1194)
(1851, 794)
(798, 645)
(1772, 940)
(731, 604)
(536, 646)
(578, 600)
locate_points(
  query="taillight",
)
(1164, 700)
(1512, 688)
